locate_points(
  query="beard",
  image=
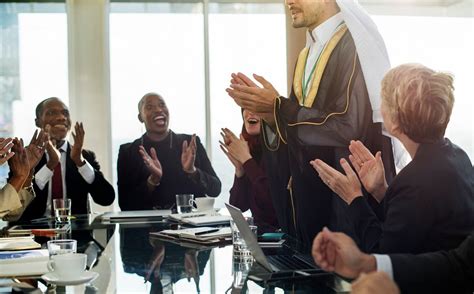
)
(299, 22)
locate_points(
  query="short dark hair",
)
(142, 100)
(40, 106)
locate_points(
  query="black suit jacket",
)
(438, 272)
(133, 174)
(428, 207)
(76, 188)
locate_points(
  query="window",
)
(250, 38)
(33, 64)
(156, 47)
(441, 43)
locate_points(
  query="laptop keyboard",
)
(288, 262)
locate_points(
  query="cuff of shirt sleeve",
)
(87, 172)
(10, 197)
(43, 176)
(384, 264)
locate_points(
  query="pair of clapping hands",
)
(188, 157)
(22, 160)
(369, 171)
(236, 149)
(337, 252)
(76, 149)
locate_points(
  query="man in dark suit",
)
(436, 272)
(65, 171)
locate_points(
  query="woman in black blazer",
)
(429, 206)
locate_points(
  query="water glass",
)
(184, 203)
(241, 250)
(62, 209)
(56, 247)
(240, 272)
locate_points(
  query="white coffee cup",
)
(204, 203)
(68, 266)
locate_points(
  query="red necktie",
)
(57, 184)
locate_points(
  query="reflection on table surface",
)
(128, 260)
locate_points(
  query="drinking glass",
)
(241, 250)
(65, 246)
(62, 209)
(240, 271)
(184, 203)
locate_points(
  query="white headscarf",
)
(374, 62)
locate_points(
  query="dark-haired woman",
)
(251, 186)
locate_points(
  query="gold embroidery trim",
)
(277, 100)
(333, 113)
(298, 78)
(267, 144)
(289, 187)
(320, 67)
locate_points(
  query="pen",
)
(40, 220)
(45, 219)
(194, 215)
(206, 232)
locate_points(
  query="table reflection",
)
(128, 260)
(160, 263)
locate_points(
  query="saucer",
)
(53, 278)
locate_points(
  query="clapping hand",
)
(76, 148)
(237, 150)
(36, 148)
(347, 186)
(188, 155)
(337, 252)
(250, 96)
(243, 80)
(19, 164)
(152, 163)
(5, 150)
(369, 168)
(53, 152)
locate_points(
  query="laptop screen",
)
(248, 236)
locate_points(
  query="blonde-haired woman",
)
(430, 204)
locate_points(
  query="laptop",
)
(293, 264)
(135, 215)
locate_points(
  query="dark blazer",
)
(76, 188)
(438, 272)
(132, 174)
(428, 207)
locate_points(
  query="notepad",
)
(18, 243)
(201, 235)
(23, 263)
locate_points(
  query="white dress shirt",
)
(44, 176)
(384, 264)
(316, 40)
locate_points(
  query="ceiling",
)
(412, 2)
(447, 8)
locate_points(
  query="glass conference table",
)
(128, 260)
